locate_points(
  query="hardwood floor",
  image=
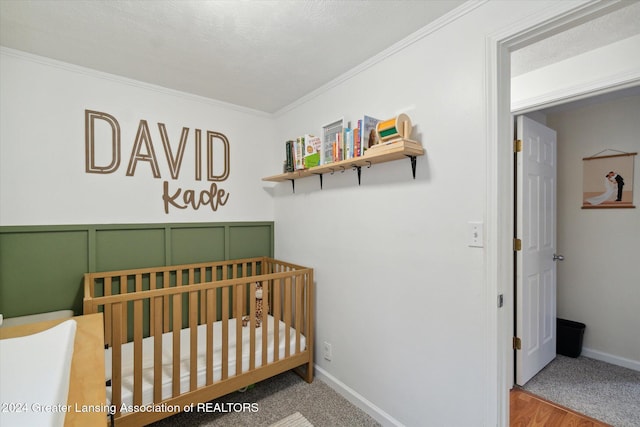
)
(529, 410)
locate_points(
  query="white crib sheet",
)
(167, 363)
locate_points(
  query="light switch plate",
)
(476, 234)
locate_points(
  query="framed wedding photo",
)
(607, 181)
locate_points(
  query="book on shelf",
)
(368, 133)
(348, 143)
(298, 154)
(312, 150)
(289, 165)
(330, 135)
(336, 151)
(343, 145)
(357, 146)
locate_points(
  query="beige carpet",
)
(293, 420)
(276, 399)
(606, 392)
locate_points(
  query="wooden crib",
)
(174, 335)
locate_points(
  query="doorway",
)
(500, 223)
(592, 282)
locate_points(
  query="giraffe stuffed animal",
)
(260, 305)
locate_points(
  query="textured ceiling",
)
(260, 54)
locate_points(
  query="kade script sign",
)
(109, 158)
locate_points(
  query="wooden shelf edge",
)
(379, 154)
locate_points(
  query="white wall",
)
(400, 295)
(42, 148)
(610, 66)
(598, 281)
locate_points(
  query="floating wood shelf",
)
(377, 154)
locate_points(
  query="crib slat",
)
(177, 323)
(244, 274)
(166, 277)
(124, 284)
(211, 317)
(265, 324)
(308, 314)
(107, 313)
(234, 274)
(287, 316)
(277, 285)
(137, 343)
(298, 312)
(116, 357)
(225, 321)
(193, 329)
(252, 326)
(225, 333)
(152, 286)
(309, 330)
(157, 351)
(137, 351)
(238, 299)
(203, 300)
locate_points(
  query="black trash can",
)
(570, 334)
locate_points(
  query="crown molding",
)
(390, 51)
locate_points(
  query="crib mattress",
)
(185, 356)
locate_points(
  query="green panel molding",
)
(42, 267)
(39, 271)
(129, 248)
(249, 241)
(198, 244)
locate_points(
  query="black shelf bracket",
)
(359, 170)
(293, 185)
(413, 165)
(320, 175)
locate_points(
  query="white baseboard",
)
(610, 358)
(358, 400)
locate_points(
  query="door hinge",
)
(517, 244)
(517, 145)
(517, 343)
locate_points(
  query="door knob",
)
(558, 257)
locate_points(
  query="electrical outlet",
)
(327, 351)
(476, 234)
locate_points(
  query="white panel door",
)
(536, 167)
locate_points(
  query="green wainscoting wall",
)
(42, 267)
